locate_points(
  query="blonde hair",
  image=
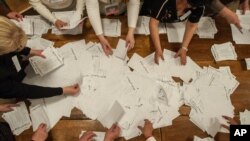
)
(12, 37)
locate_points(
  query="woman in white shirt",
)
(95, 7)
(44, 8)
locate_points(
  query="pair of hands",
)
(130, 42)
(181, 52)
(70, 90)
(110, 135)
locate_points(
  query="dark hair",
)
(196, 3)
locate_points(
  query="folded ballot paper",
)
(225, 51)
(39, 43)
(247, 63)
(245, 117)
(99, 136)
(38, 116)
(121, 50)
(18, 119)
(196, 138)
(42, 66)
(73, 20)
(206, 28)
(111, 27)
(175, 32)
(242, 36)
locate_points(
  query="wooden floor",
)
(182, 129)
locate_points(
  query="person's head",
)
(12, 37)
(196, 3)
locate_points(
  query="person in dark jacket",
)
(12, 65)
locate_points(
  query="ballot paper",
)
(39, 43)
(196, 138)
(42, 66)
(113, 116)
(121, 50)
(175, 32)
(26, 25)
(247, 63)
(242, 36)
(206, 28)
(38, 116)
(142, 26)
(99, 136)
(225, 51)
(111, 27)
(245, 117)
(18, 119)
(74, 27)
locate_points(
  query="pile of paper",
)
(245, 117)
(42, 66)
(142, 26)
(247, 63)
(196, 138)
(242, 36)
(225, 51)
(206, 28)
(73, 19)
(209, 98)
(33, 25)
(111, 27)
(99, 136)
(38, 116)
(175, 32)
(39, 43)
(18, 119)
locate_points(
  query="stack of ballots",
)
(111, 27)
(209, 98)
(225, 51)
(206, 28)
(242, 36)
(111, 92)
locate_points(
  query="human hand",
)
(14, 15)
(40, 134)
(71, 90)
(231, 17)
(87, 136)
(105, 45)
(230, 121)
(147, 130)
(34, 52)
(112, 133)
(7, 107)
(158, 56)
(59, 24)
(183, 55)
(130, 41)
(244, 6)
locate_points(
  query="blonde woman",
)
(12, 65)
(44, 8)
(95, 7)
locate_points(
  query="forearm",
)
(94, 16)
(216, 5)
(154, 33)
(133, 7)
(189, 32)
(43, 10)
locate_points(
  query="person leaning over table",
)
(44, 8)
(5, 11)
(170, 11)
(94, 8)
(12, 65)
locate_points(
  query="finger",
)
(225, 126)
(162, 58)
(141, 128)
(176, 55)
(156, 60)
(14, 105)
(226, 117)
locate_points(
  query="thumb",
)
(177, 54)
(141, 128)
(162, 57)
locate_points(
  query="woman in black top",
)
(12, 65)
(171, 11)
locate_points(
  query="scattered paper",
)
(225, 51)
(39, 116)
(111, 27)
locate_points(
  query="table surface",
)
(68, 129)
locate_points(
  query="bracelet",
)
(185, 48)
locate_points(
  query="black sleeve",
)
(4, 10)
(13, 89)
(25, 51)
(158, 9)
(196, 15)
